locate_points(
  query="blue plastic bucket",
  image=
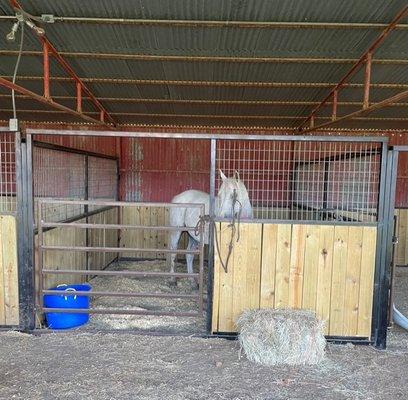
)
(60, 320)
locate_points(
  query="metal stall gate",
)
(318, 205)
(46, 269)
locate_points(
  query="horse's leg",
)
(192, 245)
(174, 238)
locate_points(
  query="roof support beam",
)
(365, 58)
(48, 101)
(221, 116)
(48, 48)
(185, 58)
(359, 113)
(216, 23)
(168, 82)
(198, 102)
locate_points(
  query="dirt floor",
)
(80, 365)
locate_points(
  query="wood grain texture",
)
(9, 266)
(338, 281)
(268, 265)
(367, 281)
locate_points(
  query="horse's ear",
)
(237, 175)
(223, 177)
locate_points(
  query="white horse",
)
(225, 207)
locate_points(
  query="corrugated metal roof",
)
(214, 41)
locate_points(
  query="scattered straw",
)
(284, 336)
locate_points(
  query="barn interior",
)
(278, 68)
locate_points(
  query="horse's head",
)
(233, 198)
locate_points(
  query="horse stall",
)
(290, 222)
(312, 239)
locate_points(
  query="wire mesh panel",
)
(7, 173)
(305, 180)
(102, 178)
(63, 174)
(59, 174)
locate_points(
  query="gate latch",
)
(395, 240)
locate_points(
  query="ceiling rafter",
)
(215, 23)
(365, 59)
(183, 58)
(214, 101)
(118, 81)
(209, 116)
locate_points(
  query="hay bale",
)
(282, 336)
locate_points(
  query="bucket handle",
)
(68, 289)
(71, 290)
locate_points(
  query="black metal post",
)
(384, 246)
(25, 231)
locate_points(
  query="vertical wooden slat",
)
(225, 323)
(268, 265)
(216, 284)
(2, 287)
(336, 325)
(239, 256)
(325, 273)
(311, 267)
(402, 237)
(9, 259)
(284, 239)
(352, 285)
(253, 265)
(297, 258)
(367, 281)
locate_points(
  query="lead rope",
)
(234, 225)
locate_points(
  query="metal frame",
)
(47, 49)
(367, 59)
(41, 225)
(380, 287)
(170, 82)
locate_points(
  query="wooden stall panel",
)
(401, 251)
(102, 238)
(145, 238)
(239, 288)
(9, 305)
(327, 269)
(73, 260)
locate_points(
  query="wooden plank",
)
(225, 321)
(2, 285)
(297, 258)
(336, 323)
(283, 247)
(9, 245)
(367, 281)
(268, 265)
(402, 237)
(240, 261)
(352, 284)
(310, 268)
(216, 284)
(252, 260)
(325, 267)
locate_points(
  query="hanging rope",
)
(234, 225)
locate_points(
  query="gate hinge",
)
(395, 240)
